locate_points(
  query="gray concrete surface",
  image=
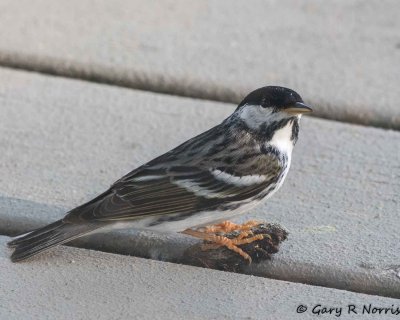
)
(342, 55)
(64, 141)
(81, 284)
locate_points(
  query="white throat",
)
(281, 139)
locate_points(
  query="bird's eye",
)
(263, 102)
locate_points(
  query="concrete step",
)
(341, 56)
(82, 284)
(64, 141)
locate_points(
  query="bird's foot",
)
(213, 234)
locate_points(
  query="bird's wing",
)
(199, 175)
(171, 191)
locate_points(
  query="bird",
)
(209, 179)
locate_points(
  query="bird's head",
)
(270, 104)
(272, 111)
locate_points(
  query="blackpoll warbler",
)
(212, 177)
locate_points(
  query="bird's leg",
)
(224, 227)
(209, 233)
(228, 226)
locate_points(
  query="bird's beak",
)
(298, 108)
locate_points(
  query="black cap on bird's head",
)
(277, 98)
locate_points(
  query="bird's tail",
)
(59, 232)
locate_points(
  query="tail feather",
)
(30, 235)
(47, 237)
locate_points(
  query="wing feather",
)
(174, 191)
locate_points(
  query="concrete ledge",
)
(366, 277)
(64, 141)
(340, 56)
(83, 284)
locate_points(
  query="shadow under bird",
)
(210, 178)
